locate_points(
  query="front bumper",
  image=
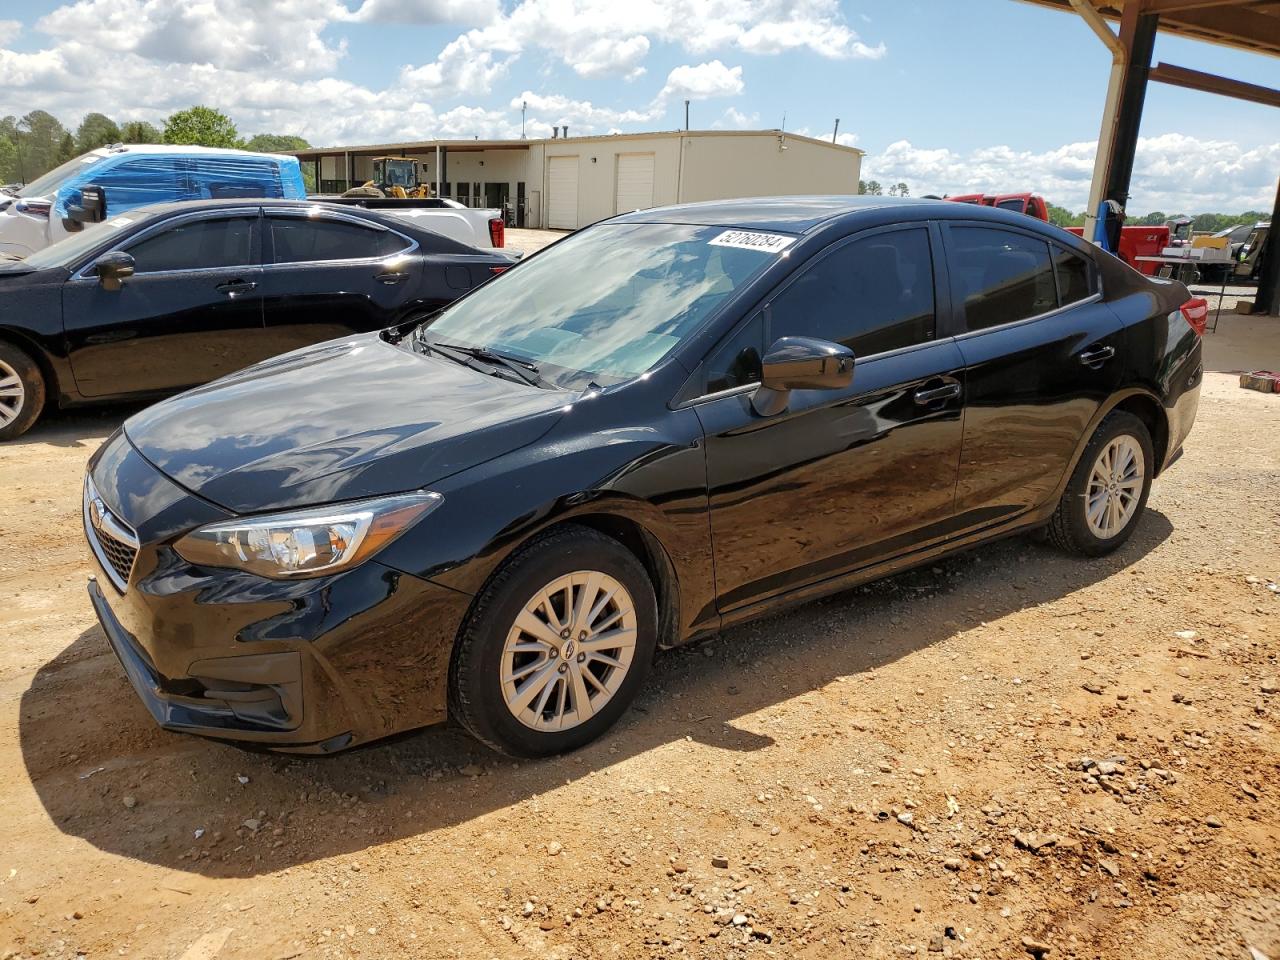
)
(305, 666)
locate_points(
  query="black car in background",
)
(664, 424)
(169, 296)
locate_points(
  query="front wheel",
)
(557, 645)
(1108, 489)
(22, 392)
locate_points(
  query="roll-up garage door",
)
(562, 188)
(635, 182)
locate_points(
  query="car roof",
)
(805, 213)
(228, 203)
(181, 150)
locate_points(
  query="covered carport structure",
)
(1252, 25)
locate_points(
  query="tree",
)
(67, 149)
(871, 188)
(203, 126)
(902, 189)
(275, 143)
(139, 131)
(39, 142)
(96, 130)
(1064, 217)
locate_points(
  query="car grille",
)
(114, 544)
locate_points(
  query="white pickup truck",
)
(483, 228)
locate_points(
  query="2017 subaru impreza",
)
(664, 424)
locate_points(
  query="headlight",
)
(306, 543)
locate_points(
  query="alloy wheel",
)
(568, 651)
(1115, 487)
(12, 394)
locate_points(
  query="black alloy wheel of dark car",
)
(556, 646)
(1108, 489)
(22, 391)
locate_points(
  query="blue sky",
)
(948, 96)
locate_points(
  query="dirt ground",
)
(1013, 753)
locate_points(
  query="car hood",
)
(352, 418)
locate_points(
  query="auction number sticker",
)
(751, 240)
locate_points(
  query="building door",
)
(562, 193)
(521, 203)
(634, 182)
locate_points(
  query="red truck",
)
(1134, 241)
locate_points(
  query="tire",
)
(22, 392)
(525, 702)
(1126, 439)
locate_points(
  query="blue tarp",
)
(134, 179)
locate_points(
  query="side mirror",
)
(112, 269)
(91, 209)
(800, 363)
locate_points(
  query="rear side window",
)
(1074, 281)
(196, 245)
(1000, 276)
(221, 178)
(299, 240)
(872, 295)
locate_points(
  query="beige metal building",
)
(567, 182)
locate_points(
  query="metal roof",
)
(1245, 24)
(459, 146)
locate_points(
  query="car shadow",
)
(88, 743)
(75, 427)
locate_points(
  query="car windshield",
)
(48, 185)
(605, 304)
(66, 251)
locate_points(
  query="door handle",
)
(947, 391)
(1098, 356)
(393, 276)
(233, 288)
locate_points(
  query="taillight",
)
(1196, 312)
(33, 208)
(497, 270)
(497, 232)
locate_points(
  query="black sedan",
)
(664, 424)
(170, 296)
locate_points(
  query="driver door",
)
(841, 478)
(191, 312)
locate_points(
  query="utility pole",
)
(524, 105)
(686, 116)
(836, 130)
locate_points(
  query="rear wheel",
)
(22, 392)
(557, 645)
(1108, 489)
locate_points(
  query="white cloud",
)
(701, 81)
(581, 115)
(470, 12)
(277, 36)
(1172, 172)
(734, 119)
(10, 29)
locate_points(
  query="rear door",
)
(841, 478)
(1041, 352)
(191, 312)
(328, 275)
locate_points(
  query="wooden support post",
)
(1268, 299)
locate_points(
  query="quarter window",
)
(1073, 276)
(737, 363)
(1001, 276)
(872, 295)
(196, 245)
(303, 240)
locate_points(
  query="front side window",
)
(1017, 206)
(1001, 276)
(607, 303)
(141, 180)
(196, 245)
(305, 240)
(872, 295)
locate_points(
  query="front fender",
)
(652, 476)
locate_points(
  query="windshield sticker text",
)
(750, 240)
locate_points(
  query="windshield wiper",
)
(523, 369)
